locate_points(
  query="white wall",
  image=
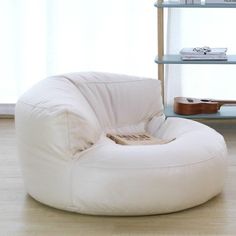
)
(47, 37)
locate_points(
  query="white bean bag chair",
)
(69, 163)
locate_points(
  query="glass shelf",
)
(176, 59)
(206, 5)
(225, 112)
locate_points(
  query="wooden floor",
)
(21, 215)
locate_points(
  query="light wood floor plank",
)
(20, 215)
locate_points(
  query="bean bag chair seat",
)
(68, 162)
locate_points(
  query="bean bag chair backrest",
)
(119, 100)
(82, 106)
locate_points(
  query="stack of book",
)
(184, 1)
(204, 53)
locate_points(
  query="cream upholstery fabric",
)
(69, 163)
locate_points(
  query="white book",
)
(214, 51)
(204, 55)
(204, 59)
(184, 58)
(183, 1)
(171, 1)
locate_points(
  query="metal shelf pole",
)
(160, 46)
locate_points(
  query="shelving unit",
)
(226, 112)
